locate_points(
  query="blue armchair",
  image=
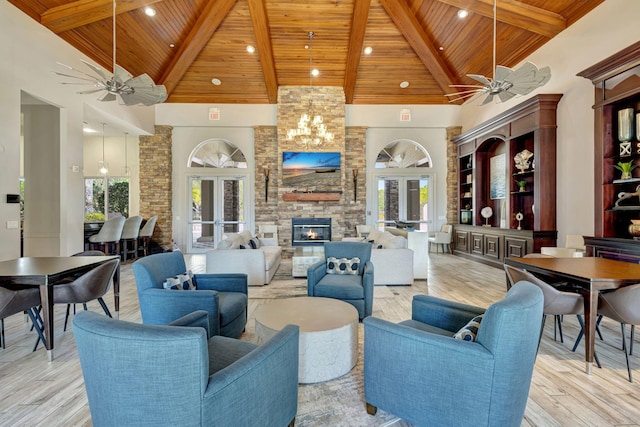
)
(149, 375)
(356, 289)
(416, 370)
(223, 296)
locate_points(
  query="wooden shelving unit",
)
(487, 152)
(617, 86)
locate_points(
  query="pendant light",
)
(104, 169)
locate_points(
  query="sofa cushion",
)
(426, 327)
(342, 287)
(469, 331)
(343, 265)
(271, 256)
(224, 244)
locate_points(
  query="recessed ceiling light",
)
(404, 85)
(441, 48)
(315, 72)
(251, 49)
(463, 13)
(149, 11)
(171, 45)
(216, 81)
(368, 50)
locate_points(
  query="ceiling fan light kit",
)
(140, 90)
(506, 82)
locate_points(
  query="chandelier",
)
(311, 130)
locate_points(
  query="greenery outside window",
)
(105, 194)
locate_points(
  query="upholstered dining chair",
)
(622, 305)
(129, 236)
(223, 296)
(152, 375)
(17, 300)
(442, 238)
(346, 274)
(556, 303)
(108, 236)
(145, 235)
(418, 371)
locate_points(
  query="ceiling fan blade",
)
(503, 73)
(107, 97)
(506, 95)
(488, 99)
(87, 79)
(88, 92)
(482, 79)
(145, 96)
(529, 77)
(99, 71)
(121, 75)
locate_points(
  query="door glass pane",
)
(202, 213)
(403, 199)
(417, 202)
(232, 205)
(388, 202)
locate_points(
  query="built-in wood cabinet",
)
(507, 165)
(617, 94)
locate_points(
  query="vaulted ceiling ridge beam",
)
(513, 12)
(258, 12)
(356, 41)
(83, 12)
(208, 22)
(408, 24)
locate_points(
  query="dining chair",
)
(16, 300)
(556, 303)
(442, 238)
(622, 306)
(130, 233)
(145, 235)
(108, 236)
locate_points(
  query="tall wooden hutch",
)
(520, 195)
(616, 139)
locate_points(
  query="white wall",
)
(29, 55)
(609, 28)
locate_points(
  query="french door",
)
(217, 206)
(405, 199)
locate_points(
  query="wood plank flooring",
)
(34, 392)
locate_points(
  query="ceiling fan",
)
(506, 82)
(119, 84)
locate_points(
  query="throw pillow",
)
(343, 265)
(254, 243)
(469, 331)
(224, 244)
(181, 282)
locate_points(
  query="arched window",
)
(217, 153)
(403, 153)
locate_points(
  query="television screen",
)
(315, 170)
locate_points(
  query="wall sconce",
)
(355, 185)
(266, 184)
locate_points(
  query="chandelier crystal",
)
(311, 130)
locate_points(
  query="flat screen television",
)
(311, 170)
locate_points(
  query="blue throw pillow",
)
(469, 331)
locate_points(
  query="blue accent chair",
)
(223, 296)
(417, 371)
(356, 289)
(150, 375)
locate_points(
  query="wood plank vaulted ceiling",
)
(422, 42)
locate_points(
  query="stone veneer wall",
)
(155, 182)
(452, 174)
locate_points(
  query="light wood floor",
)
(34, 392)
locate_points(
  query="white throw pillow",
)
(224, 244)
(374, 235)
(245, 236)
(396, 242)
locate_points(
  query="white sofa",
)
(235, 254)
(391, 258)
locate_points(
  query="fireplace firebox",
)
(310, 231)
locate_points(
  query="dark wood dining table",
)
(592, 275)
(46, 272)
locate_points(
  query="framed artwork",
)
(497, 178)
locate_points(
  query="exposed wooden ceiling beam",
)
(356, 41)
(518, 14)
(83, 12)
(208, 22)
(408, 24)
(258, 12)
